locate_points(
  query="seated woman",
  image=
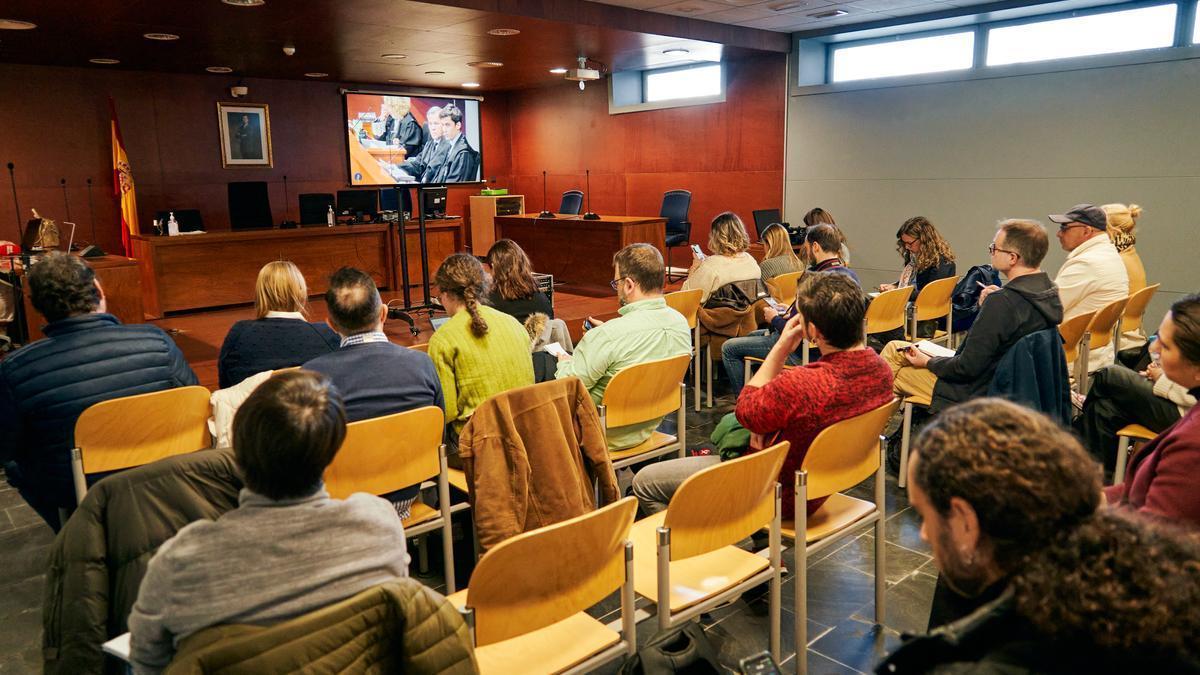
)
(779, 257)
(1118, 397)
(279, 336)
(514, 290)
(1161, 476)
(927, 256)
(480, 351)
(819, 216)
(1122, 230)
(729, 262)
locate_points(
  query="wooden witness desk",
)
(220, 268)
(122, 286)
(578, 251)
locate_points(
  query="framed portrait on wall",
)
(245, 134)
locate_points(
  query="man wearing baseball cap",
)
(1093, 275)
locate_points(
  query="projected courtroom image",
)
(394, 139)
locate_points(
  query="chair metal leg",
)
(77, 475)
(801, 572)
(696, 365)
(447, 524)
(776, 576)
(1122, 458)
(905, 432)
(708, 364)
(663, 608)
(880, 534)
(423, 553)
(1081, 364)
(680, 423)
(745, 371)
(628, 604)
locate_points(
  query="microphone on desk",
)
(588, 179)
(66, 202)
(544, 213)
(17, 205)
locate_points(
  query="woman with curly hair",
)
(480, 351)
(1010, 503)
(927, 256)
(514, 290)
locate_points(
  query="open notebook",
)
(933, 349)
(118, 647)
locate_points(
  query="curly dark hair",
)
(934, 249)
(62, 286)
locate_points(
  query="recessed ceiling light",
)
(486, 64)
(435, 72)
(219, 69)
(471, 85)
(245, 3)
(15, 24)
(161, 37)
(504, 32)
(316, 74)
(104, 62)
(395, 57)
(558, 71)
(673, 51)
(829, 14)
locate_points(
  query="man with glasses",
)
(1028, 303)
(1094, 274)
(647, 330)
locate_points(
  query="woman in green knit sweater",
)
(480, 351)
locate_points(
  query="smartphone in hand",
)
(699, 255)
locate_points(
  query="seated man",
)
(647, 330)
(87, 357)
(287, 549)
(374, 376)
(823, 248)
(1094, 274)
(797, 404)
(1028, 303)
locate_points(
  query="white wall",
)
(966, 154)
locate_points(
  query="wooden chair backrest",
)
(725, 503)
(1072, 331)
(423, 347)
(122, 433)
(934, 301)
(388, 453)
(519, 587)
(886, 311)
(846, 453)
(644, 391)
(1136, 309)
(783, 286)
(1101, 327)
(686, 303)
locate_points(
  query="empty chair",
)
(1099, 334)
(783, 287)
(675, 207)
(1133, 433)
(934, 302)
(526, 608)
(1072, 331)
(122, 433)
(687, 303)
(572, 202)
(385, 454)
(644, 392)
(249, 206)
(1135, 311)
(314, 208)
(888, 311)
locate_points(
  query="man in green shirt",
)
(647, 330)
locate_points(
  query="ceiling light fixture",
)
(470, 85)
(245, 3)
(394, 57)
(316, 74)
(785, 6)
(16, 24)
(104, 62)
(676, 51)
(830, 14)
(558, 71)
(219, 69)
(435, 72)
(486, 64)
(161, 37)
(504, 32)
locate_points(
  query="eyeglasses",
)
(1066, 226)
(616, 282)
(992, 249)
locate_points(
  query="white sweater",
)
(717, 270)
(1093, 276)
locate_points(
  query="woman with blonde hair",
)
(927, 256)
(1122, 229)
(779, 257)
(480, 351)
(729, 262)
(279, 335)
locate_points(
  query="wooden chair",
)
(389, 453)
(698, 566)
(526, 608)
(888, 310)
(423, 347)
(687, 303)
(1072, 332)
(934, 302)
(906, 432)
(122, 433)
(1133, 433)
(840, 457)
(783, 286)
(1135, 312)
(750, 361)
(1099, 334)
(643, 392)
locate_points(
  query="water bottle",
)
(1154, 354)
(329, 217)
(172, 225)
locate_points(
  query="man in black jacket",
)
(1027, 304)
(87, 357)
(462, 161)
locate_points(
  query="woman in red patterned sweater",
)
(797, 404)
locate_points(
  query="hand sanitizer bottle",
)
(172, 225)
(329, 217)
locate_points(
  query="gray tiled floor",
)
(841, 632)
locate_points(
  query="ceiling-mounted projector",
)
(582, 73)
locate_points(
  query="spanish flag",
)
(123, 182)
